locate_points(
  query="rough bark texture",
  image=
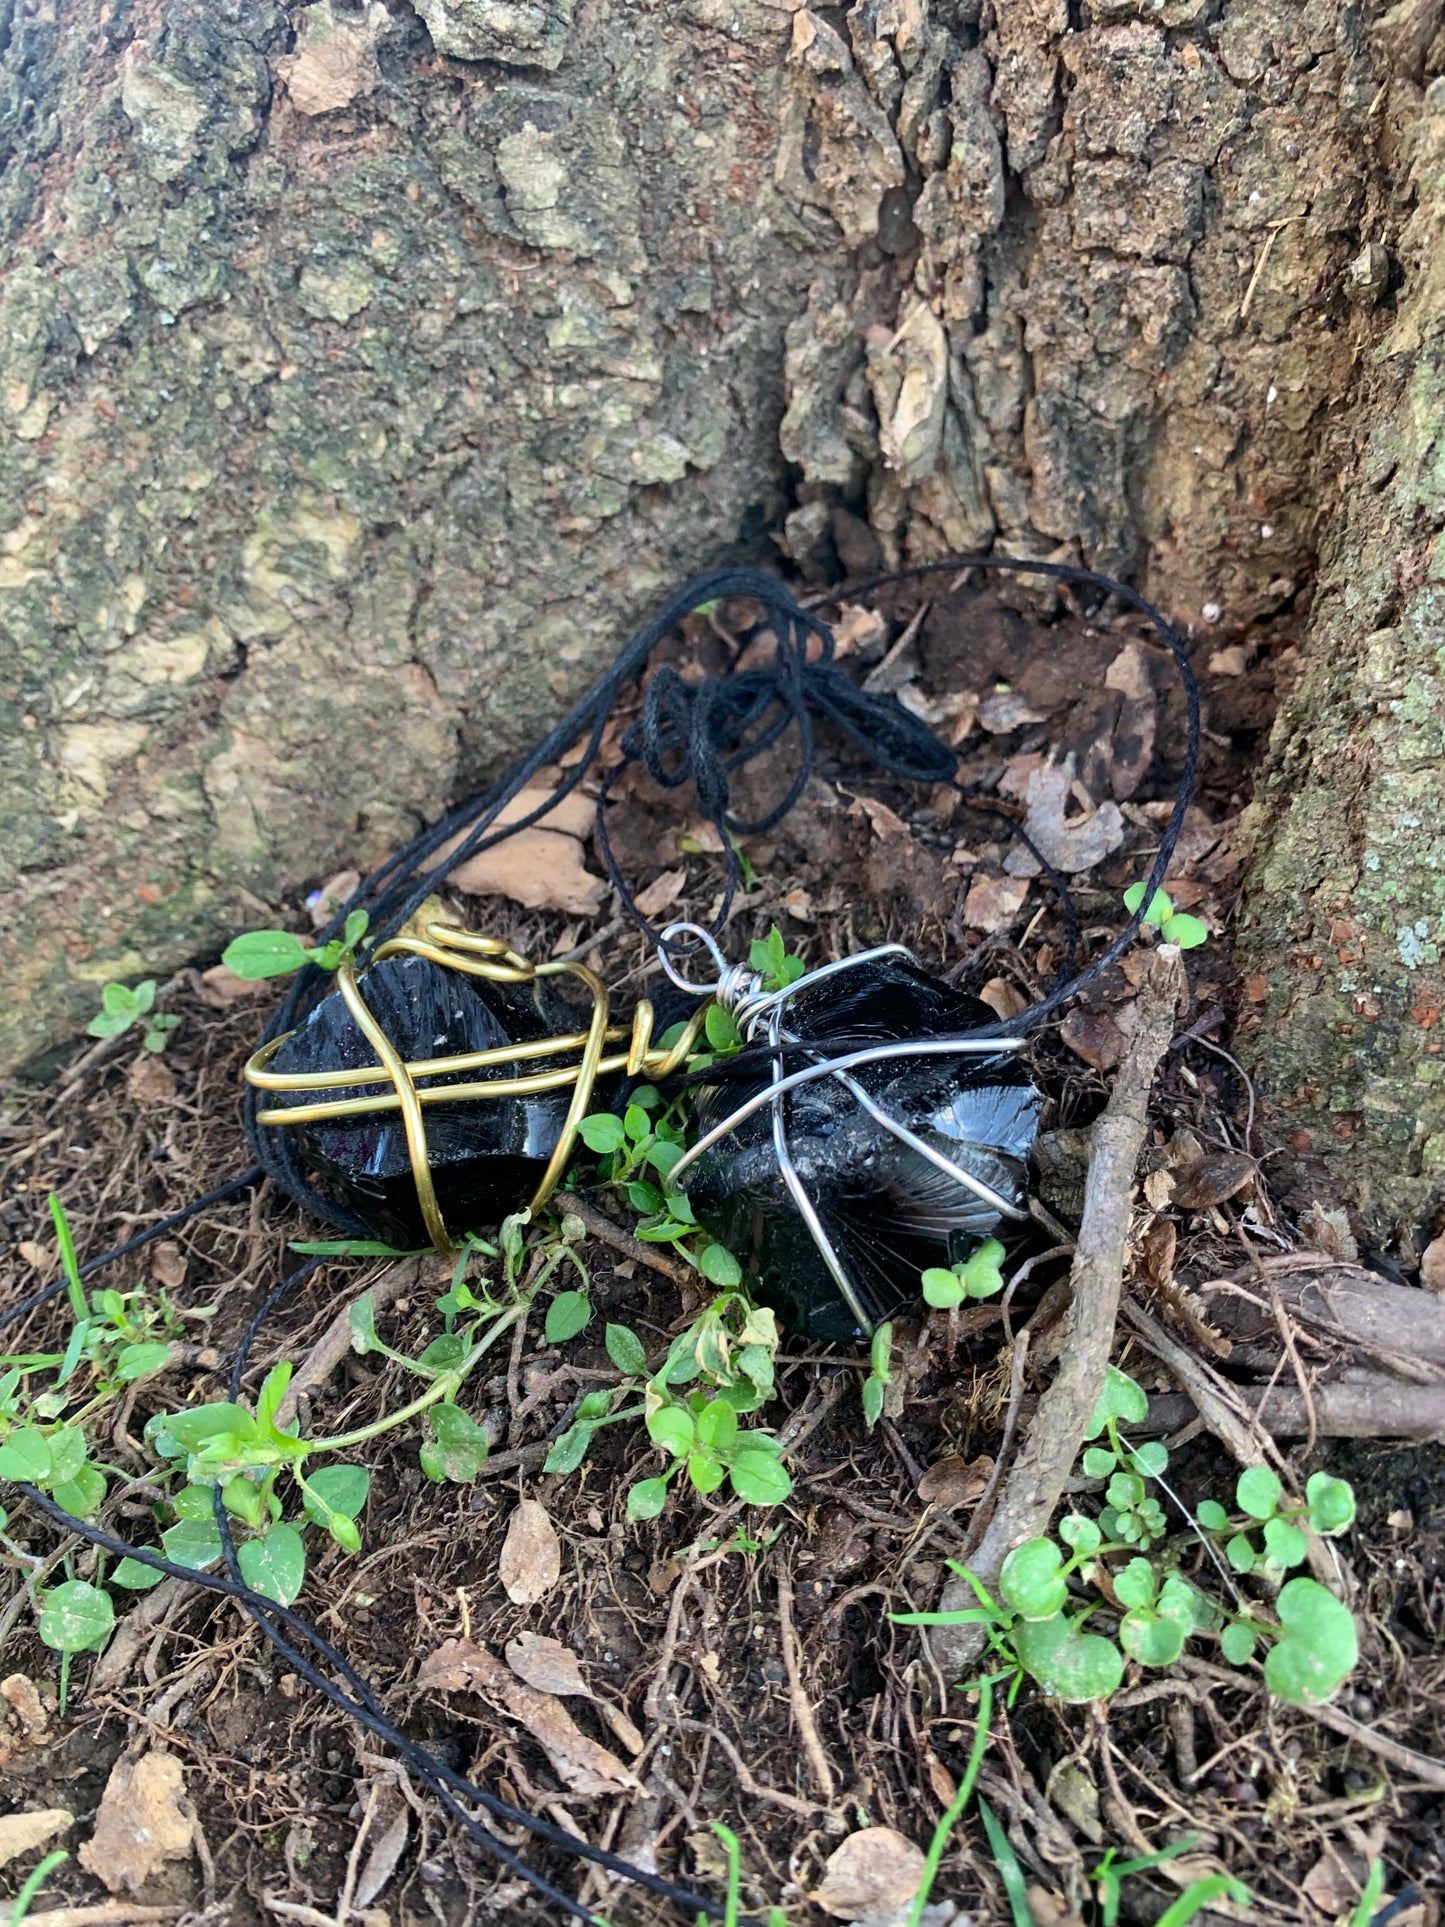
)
(369, 371)
(1345, 910)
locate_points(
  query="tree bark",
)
(369, 372)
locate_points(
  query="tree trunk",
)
(1343, 937)
(369, 372)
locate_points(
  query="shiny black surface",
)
(486, 1154)
(889, 1212)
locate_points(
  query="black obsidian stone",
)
(487, 1155)
(889, 1212)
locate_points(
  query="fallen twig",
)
(1430, 1772)
(608, 1233)
(802, 1712)
(105, 1913)
(1036, 1481)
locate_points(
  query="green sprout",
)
(981, 1276)
(276, 953)
(1173, 925)
(121, 1008)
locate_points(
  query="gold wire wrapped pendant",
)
(440, 1088)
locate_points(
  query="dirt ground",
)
(768, 1687)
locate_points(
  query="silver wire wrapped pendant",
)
(836, 1177)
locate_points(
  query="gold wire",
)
(491, 958)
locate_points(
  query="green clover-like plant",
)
(121, 1008)
(1174, 926)
(980, 1276)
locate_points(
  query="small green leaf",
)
(1148, 1460)
(1159, 908)
(1080, 1533)
(567, 1315)
(1151, 1638)
(354, 929)
(1258, 1492)
(81, 1495)
(942, 1289)
(1318, 1646)
(273, 1390)
(263, 953)
(1284, 1544)
(25, 1456)
(1030, 1580)
(198, 1426)
(1237, 1642)
(134, 1361)
(625, 1349)
(1124, 1491)
(362, 1319)
(1240, 1553)
(192, 1543)
(671, 1427)
(602, 1132)
(718, 1265)
(662, 1154)
(759, 1476)
(1073, 1666)
(119, 1000)
(568, 1451)
(1212, 1516)
(717, 1425)
(636, 1124)
(195, 1502)
(336, 1489)
(1098, 1462)
(982, 1275)
(75, 1617)
(643, 1197)
(722, 1030)
(275, 1565)
(109, 1024)
(1121, 1400)
(874, 1392)
(646, 1499)
(136, 1577)
(1331, 1503)
(459, 1450)
(1135, 1584)
(67, 1452)
(1188, 932)
(880, 1351)
(705, 1472)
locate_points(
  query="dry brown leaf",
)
(168, 1265)
(25, 1701)
(1008, 709)
(1094, 1036)
(1131, 743)
(992, 903)
(531, 1561)
(858, 630)
(886, 823)
(798, 904)
(149, 1081)
(1017, 773)
(387, 1846)
(1330, 1885)
(954, 1481)
(940, 1779)
(1159, 1190)
(35, 1254)
(1003, 998)
(141, 1822)
(700, 838)
(220, 987)
(1256, 990)
(583, 1764)
(1071, 1789)
(548, 1665)
(1070, 844)
(875, 1871)
(1432, 1267)
(1213, 1179)
(661, 893)
(1327, 1229)
(24, 1832)
(335, 58)
(1160, 1243)
(539, 869)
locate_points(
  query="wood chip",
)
(1131, 743)
(1069, 843)
(24, 1832)
(548, 1665)
(875, 1871)
(531, 1561)
(1159, 1190)
(584, 1765)
(1008, 709)
(29, 1709)
(993, 903)
(141, 1822)
(887, 824)
(541, 867)
(1432, 1267)
(858, 631)
(955, 1481)
(661, 893)
(1230, 661)
(168, 1264)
